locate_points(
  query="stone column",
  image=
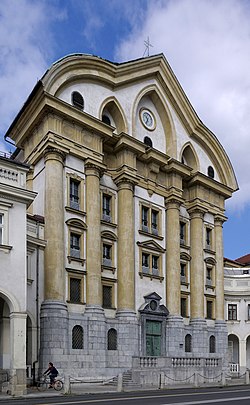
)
(93, 263)
(219, 268)
(54, 313)
(54, 226)
(126, 250)
(242, 356)
(173, 285)
(29, 186)
(197, 263)
(174, 329)
(18, 353)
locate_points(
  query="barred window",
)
(210, 309)
(112, 339)
(107, 296)
(77, 337)
(212, 344)
(188, 343)
(183, 307)
(75, 290)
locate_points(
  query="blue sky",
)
(207, 43)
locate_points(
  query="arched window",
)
(148, 141)
(188, 343)
(77, 337)
(212, 344)
(77, 100)
(106, 119)
(112, 339)
(210, 172)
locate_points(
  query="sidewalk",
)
(86, 388)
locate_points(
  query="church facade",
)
(132, 188)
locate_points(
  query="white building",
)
(237, 314)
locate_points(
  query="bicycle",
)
(44, 383)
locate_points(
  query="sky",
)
(206, 42)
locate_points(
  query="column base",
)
(198, 323)
(126, 315)
(94, 312)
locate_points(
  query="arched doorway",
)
(248, 352)
(233, 353)
(4, 335)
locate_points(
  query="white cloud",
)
(26, 45)
(207, 43)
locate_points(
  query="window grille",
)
(183, 307)
(77, 100)
(212, 344)
(209, 309)
(112, 339)
(77, 337)
(107, 296)
(75, 290)
(188, 343)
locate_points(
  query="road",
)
(223, 396)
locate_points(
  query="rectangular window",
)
(145, 262)
(248, 312)
(1, 229)
(107, 254)
(145, 214)
(155, 265)
(75, 290)
(182, 233)
(208, 238)
(75, 245)
(183, 272)
(232, 312)
(74, 194)
(210, 309)
(107, 296)
(183, 307)
(154, 222)
(106, 207)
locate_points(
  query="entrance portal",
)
(153, 338)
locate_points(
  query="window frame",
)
(232, 311)
(71, 177)
(111, 218)
(76, 104)
(151, 256)
(111, 287)
(150, 219)
(81, 280)
(109, 342)
(208, 237)
(209, 308)
(72, 337)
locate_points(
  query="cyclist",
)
(52, 372)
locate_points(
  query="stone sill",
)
(153, 235)
(5, 248)
(151, 276)
(75, 211)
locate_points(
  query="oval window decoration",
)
(148, 119)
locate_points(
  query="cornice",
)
(17, 194)
(199, 179)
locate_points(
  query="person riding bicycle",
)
(52, 372)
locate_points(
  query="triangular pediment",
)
(151, 245)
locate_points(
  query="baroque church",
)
(127, 191)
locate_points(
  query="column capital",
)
(93, 168)
(54, 154)
(125, 181)
(196, 211)
(219, 219)
(173, 202)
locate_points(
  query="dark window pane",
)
(75, 290)
(112, 339)
(107, 296)
(212, 344)
(188, 343)
(77, 100)
(77, 337)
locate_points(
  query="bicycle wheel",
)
(41, 385)
(58, 385)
